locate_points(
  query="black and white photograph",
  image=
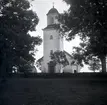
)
(53, 52)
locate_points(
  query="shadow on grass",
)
(3, 87)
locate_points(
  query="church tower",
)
(52, 40)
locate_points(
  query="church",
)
(52, 42)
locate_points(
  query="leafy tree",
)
(81, 56)
(16, 44)
(94, 64)
(88, 19)
(59, 57)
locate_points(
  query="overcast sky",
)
(41, 7)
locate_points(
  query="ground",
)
(54, 91)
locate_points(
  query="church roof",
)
(53, 10)
(68, 54)
(52, 26)
(41, 59)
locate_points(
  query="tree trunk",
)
(103, 62)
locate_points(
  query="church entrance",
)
(51, 67)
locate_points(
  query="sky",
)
(41, 7)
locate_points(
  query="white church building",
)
(52, 42)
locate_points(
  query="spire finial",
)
(53, 4)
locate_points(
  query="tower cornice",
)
(52, 26)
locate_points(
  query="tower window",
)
(56, 17)
(52, 20)
(51, 51)
(51, 37)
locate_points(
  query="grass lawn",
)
(57, 91)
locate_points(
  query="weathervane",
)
(53, 4)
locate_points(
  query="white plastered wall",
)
(52, 19)
(50, 44)
(70, 68)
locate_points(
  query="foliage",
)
(82, 55)
(59, 57)
(88, 19)
(16, 44)
(94, 64)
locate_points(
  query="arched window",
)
(51, 51)
(52, 20)
(56, 17)
(51, 37)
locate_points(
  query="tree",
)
(94, 64)
(82, 56)
(16, 44)
(88, 19)
(59, 57)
